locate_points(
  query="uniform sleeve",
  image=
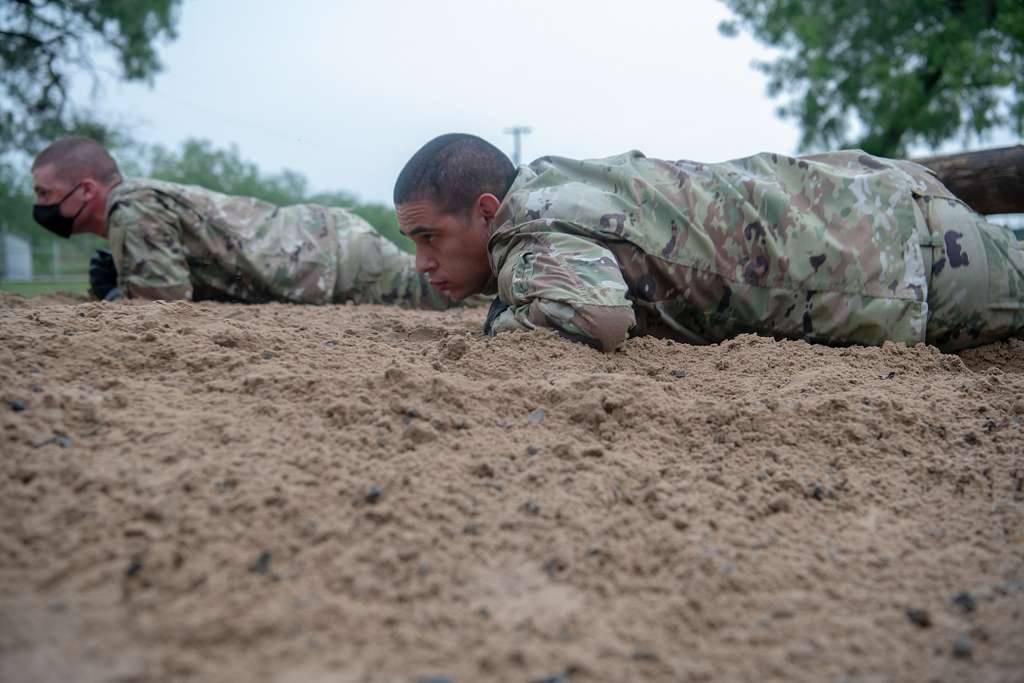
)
(373, 270)
(568, 283)
(145, 240)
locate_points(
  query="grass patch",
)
(38, 287)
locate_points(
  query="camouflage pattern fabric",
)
(975, 276)
(828, 248)
(173, 241)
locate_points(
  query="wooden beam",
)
(989, 181)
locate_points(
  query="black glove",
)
(497, 308)
(102, 274)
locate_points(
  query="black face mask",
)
(50, 217)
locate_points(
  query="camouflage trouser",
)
(975, 276)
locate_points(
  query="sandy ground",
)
(204, 492)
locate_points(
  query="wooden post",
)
(989, 181)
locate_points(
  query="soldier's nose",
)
(425, 263)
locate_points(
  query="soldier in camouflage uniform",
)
(172, 241)
(840, 248)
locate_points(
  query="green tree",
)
(45, 44)
(885, 75)
(224, 170)
(15, 201)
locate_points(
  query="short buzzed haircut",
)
(452, 170)
(75, 158)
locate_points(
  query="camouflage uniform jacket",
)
(172, 241)
(823, 248)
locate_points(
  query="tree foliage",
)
(46, 44)
(886, 75)
(223, 170)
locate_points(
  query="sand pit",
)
(209, 492)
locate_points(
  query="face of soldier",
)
(59, 203)
(451, 248)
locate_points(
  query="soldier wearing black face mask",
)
(71, 187)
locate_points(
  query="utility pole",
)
(517, 132)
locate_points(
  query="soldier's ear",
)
(487, 204)
(90, 189)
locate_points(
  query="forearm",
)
(152, 275)
(568, 283)
(145, 242)
(145, 274)
(136, 288)
(602, 327)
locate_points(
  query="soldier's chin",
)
(451, 291)
(465, 293)
(456, 294)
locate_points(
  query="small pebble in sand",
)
(963, 647)
(267, 355)
(531, 508)
(532, 450)
(134, 567)
(965, 601)
(17, 405)
(554, 567)
(536, 417)
(262, 563)
(678, 374)
(919, 617)
(62, 441)
(374, 493)
(434, 679)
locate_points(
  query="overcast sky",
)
(345, 92)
